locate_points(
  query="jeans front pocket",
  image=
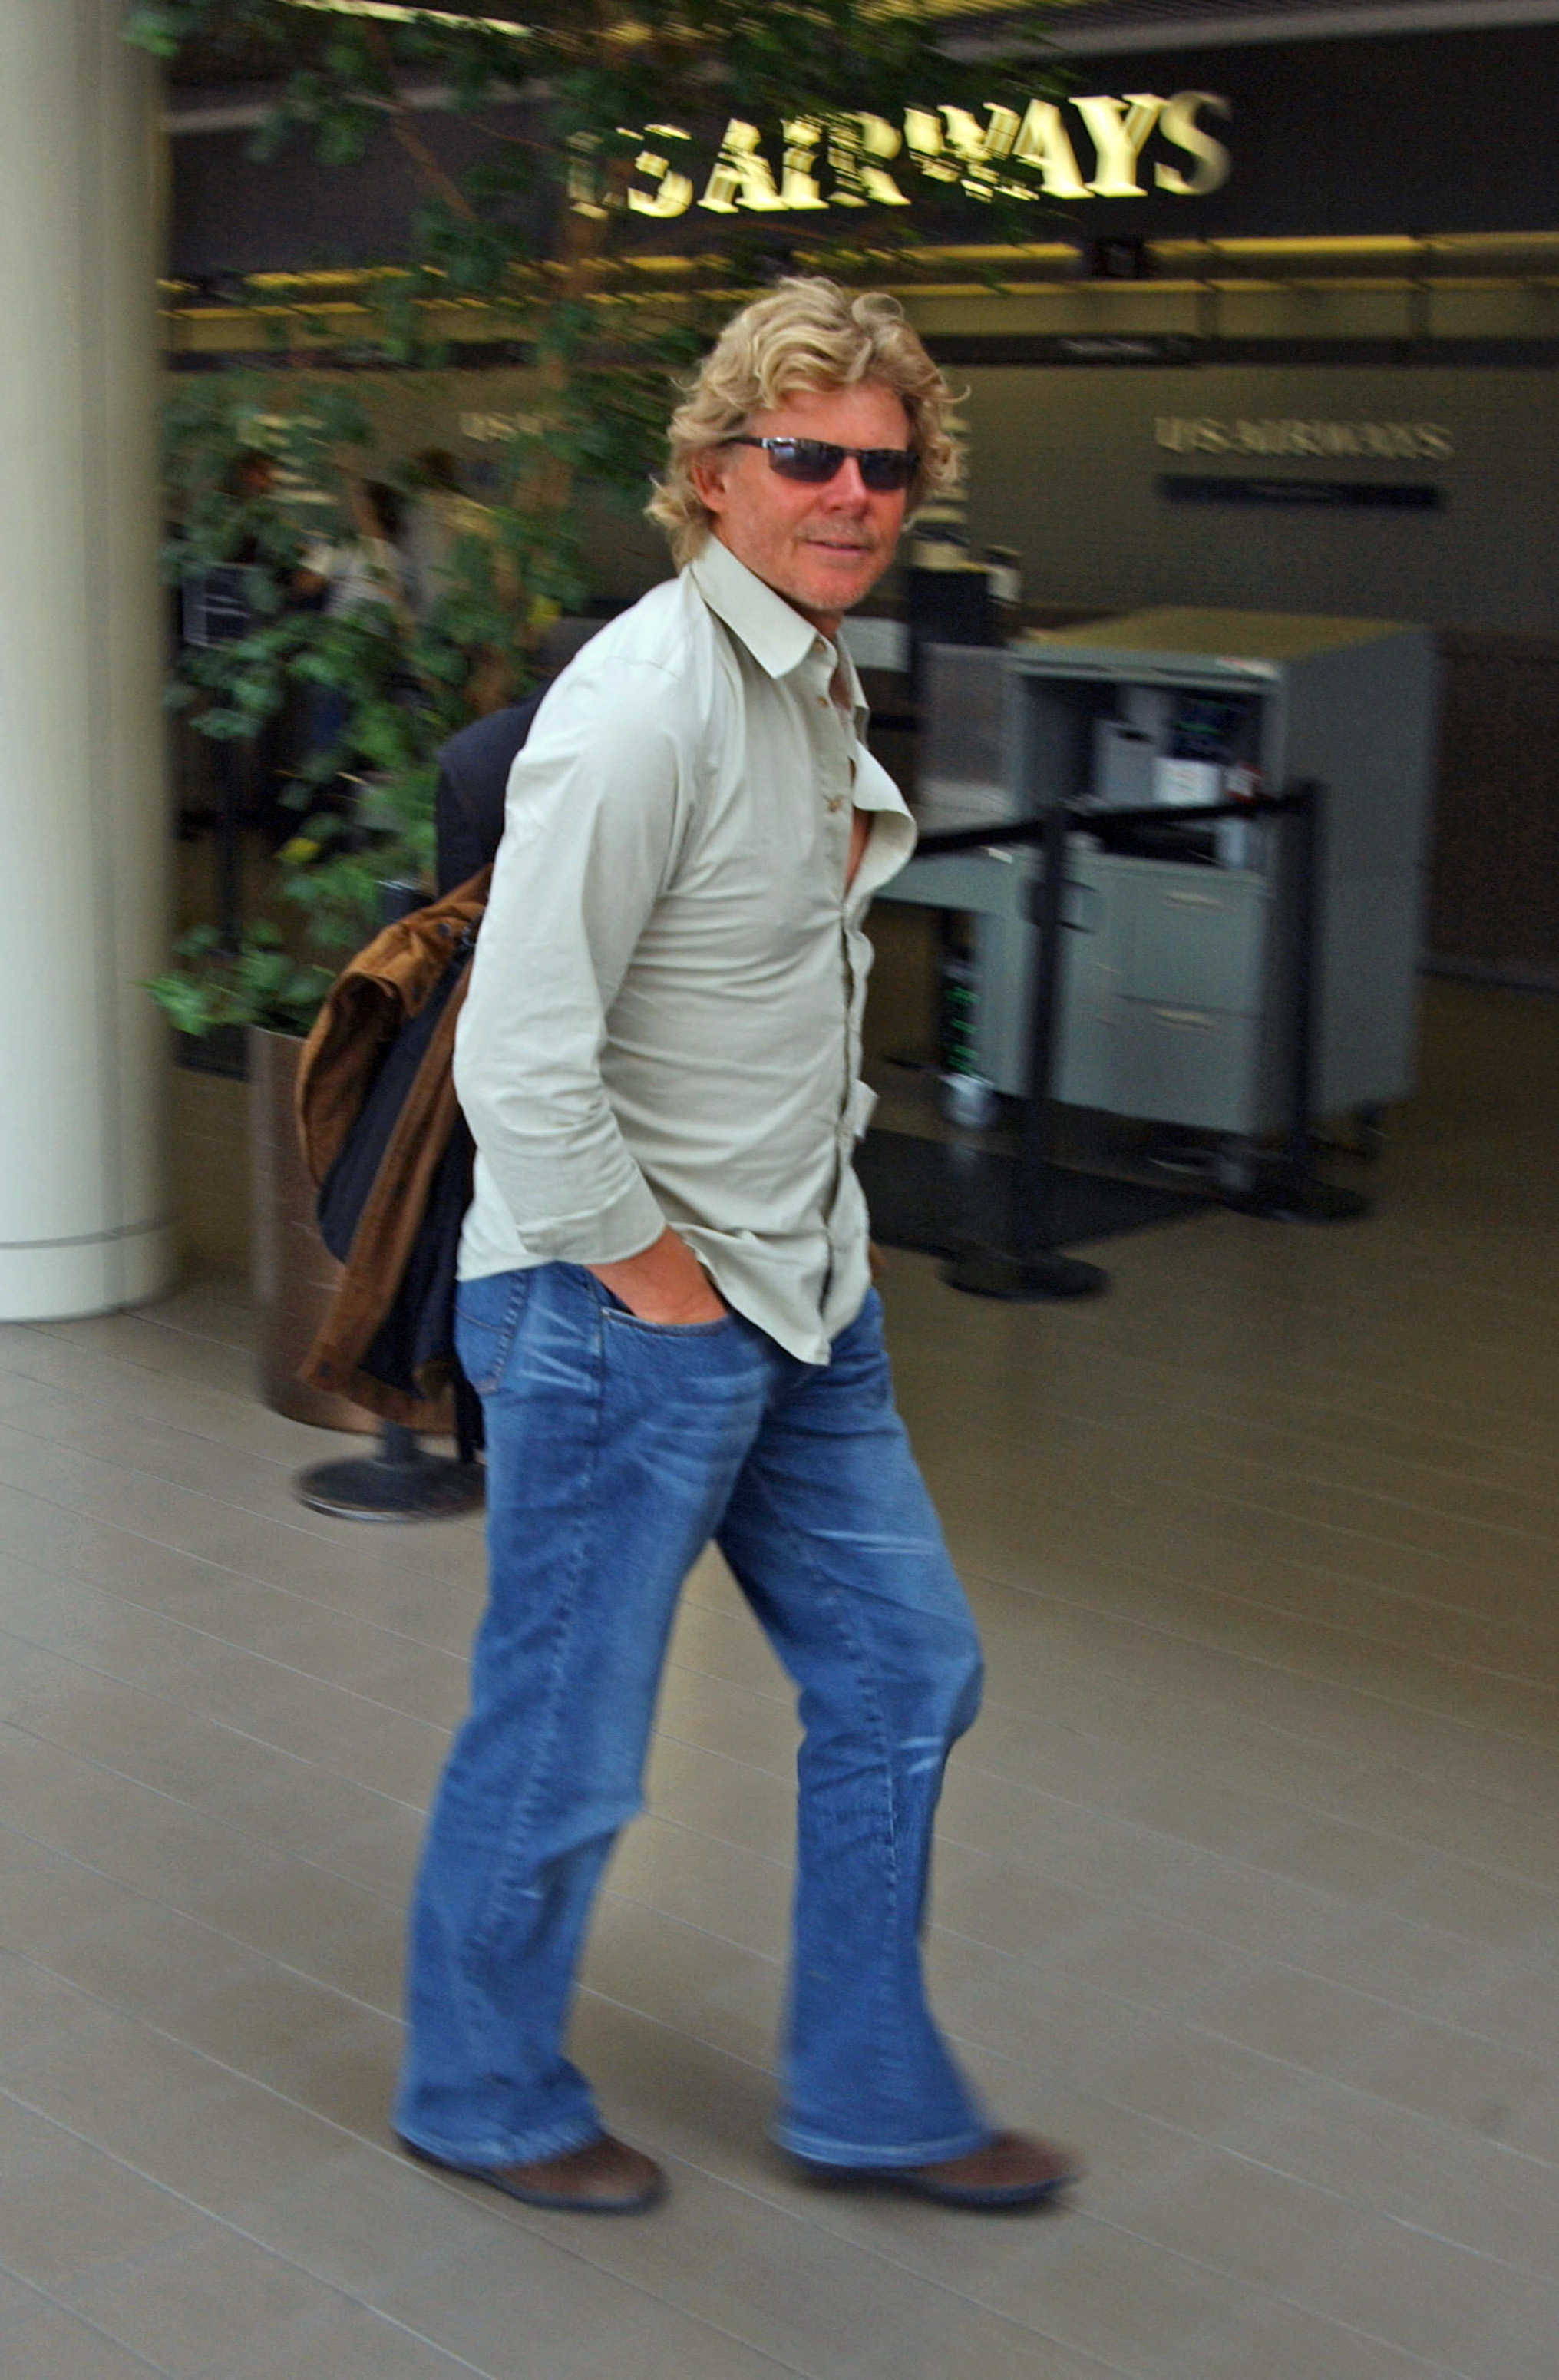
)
(486, 1315)
(631, 1321)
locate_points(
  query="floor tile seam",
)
(1221, 1708)
(875, 2252)
(1178, 2255)
(1169, 1476)
(879, 2254)
(1183, 2009)
(644, 2016)
(1367, 1495)
(1181, 2012)
(781, 1701)
(1268, 2293)
(1234, 1654)
(234, 2230)
(211, 1817)
(113, 1402)
(291, 1525)
(869, 2251)
(506, 2213)
(1389, 1308)
(1340, 1904)
(609, 1892)
(1458, 2135)
(1043, 1974)
(1288, 1805)
(783, 1775)
(240, 1652)
(147, 1317)
(1453, 1664)
(205, 1561)
(224, 1825)
(687, 1925)
(1179, 1375)
(1344, 2198)
(1355, 1581)
(57, 2305)
(786, 1776)
(1366, 1386)
(45, 1965)
(1423, 1854)
(980, 1437)
(784, 1860)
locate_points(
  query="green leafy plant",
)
(259, 984)
(573, 239)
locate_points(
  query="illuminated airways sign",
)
(1134, 145)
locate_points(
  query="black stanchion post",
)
(1290, 1192)
(1034, 1269)
(402, 1481)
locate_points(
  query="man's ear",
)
(708, 472)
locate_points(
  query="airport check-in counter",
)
(1180, 940)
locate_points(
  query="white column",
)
(84, 836)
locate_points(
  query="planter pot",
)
(294, 1271)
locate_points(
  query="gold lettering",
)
(1119, 139)
(675, 194)
(922, 133)
(1436, 443)
(1181, 128)
(852, 139)
(981, 145)
(798, 189)
(741, 177)
(1041, 141)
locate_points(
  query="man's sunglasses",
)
(884, 469)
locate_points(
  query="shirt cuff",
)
(626, 1228)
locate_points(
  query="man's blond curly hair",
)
(807, 334)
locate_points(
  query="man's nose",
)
(847, 491)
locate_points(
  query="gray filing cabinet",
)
(1181, 942)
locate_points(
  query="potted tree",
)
(836, 136)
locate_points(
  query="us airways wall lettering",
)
(860, 159)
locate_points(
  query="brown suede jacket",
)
(371, 1000)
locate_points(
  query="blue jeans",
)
(616, 1450)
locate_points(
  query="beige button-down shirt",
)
(663, 1024)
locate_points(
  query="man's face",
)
(823, 548)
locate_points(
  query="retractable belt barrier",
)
(1285, 1190)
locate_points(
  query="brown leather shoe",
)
(1011, 2170)
(605, 2178)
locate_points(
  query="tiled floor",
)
(1249, 1882)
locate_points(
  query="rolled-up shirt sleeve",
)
(598, 801)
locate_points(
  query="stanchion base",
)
(1282, 1199)
(1023, 1280)
(365, 1488)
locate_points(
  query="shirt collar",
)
(773, 631)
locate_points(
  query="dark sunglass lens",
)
(886, 470)
(808, 459)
